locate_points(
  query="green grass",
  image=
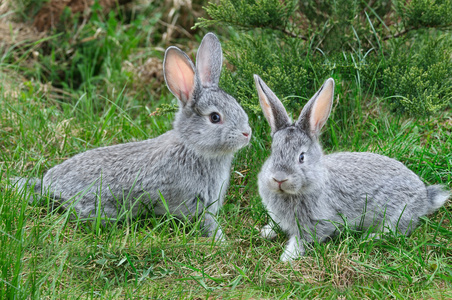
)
(45, 254)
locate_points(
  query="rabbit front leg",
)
(210, 227)
(294, 249)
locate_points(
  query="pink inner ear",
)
(266, 108)
(187, 82)
(180, 76)
(321, 110)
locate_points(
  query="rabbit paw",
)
(294, 249)
(219, 236)
(267, 232)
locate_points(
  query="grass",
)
(46, 254)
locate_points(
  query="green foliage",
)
(282, 66)
(420, 78)
(350, 40)
(425, 13)
(343, 25)
(329, 25)
(78, 54)
(24, 10)
(273, 14)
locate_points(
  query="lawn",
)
(56, 103)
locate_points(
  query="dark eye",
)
(301, 158)
(215, 117)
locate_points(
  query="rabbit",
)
(188, 166)
(310, 195)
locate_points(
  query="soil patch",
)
(49, 15)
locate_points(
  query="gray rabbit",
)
(310, 195)
(185, 170)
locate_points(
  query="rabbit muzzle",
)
(246, 133)
(242, 137)
(282, 183)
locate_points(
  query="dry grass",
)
(16, 33)
(146, 74)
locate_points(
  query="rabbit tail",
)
(28, 186)
(437, 196)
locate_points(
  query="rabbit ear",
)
(317, 110)
(273, 109)
(209, 60)
(179, 74)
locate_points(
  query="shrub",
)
(281, 65)
(295, 45)
(421, 76)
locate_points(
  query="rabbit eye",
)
(215, 117)
(301, 157)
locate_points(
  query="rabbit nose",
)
(247, 131)
(279, 181)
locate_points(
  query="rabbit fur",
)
(310, 195)
(189, 166)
